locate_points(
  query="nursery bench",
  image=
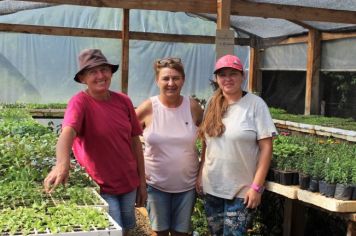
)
(297, 200)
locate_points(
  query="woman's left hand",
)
(252, 199)
(141, 196)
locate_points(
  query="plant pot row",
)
(338, 191)
(305, 182)
(283, 177)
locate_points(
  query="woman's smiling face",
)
(169, 82)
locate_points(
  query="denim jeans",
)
(122, 208)
(170, 211)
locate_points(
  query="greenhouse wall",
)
(40, 68)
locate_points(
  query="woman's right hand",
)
(58, 175)
(199, 184)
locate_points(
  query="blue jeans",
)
(227, 217)
(122, 208)
(170, 211)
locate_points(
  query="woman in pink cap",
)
(237, 130)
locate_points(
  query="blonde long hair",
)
(212, 124)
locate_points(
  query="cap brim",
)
(114, 68)
(216, 70)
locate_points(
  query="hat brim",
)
(114, 68)
(236, 68)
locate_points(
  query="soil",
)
(143, 227)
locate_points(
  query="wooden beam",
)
(289, 12)
(193, 6)
(324, 37)
(82, 32)
(125, 47)
(182, 38)
(335, 36)
(302, 24)
(223, 14)
(312, 103)
(175, 38)
(294, 40)
(238, 7)
(59, 31)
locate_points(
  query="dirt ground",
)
(142, 224)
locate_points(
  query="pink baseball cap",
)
(229, 61)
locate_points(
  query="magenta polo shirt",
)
(103, 142)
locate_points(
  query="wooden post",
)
(255, 77)
(224, 40)
(287, 217)
(125, 51)
(312, 99)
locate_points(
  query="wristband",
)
(257, 188)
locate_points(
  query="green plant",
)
(286, 153)
(58, 219)
(343, 123)
(199, 221)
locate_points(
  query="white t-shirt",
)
(231, 159)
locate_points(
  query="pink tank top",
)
(171, 160)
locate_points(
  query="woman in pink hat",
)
(170, 123)
(237, 130)
(102, 129)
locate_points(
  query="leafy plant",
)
(286, 153)
(58, 219)
(199, 221)
(343, 123)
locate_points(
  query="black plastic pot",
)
(314, 185)
(343, 192)
(322, 187)
(276, 174)
(286, 177)
(295, 178)
(270, 175)
(304, 181)
(326, 189)
(353, 197)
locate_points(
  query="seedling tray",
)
(45, 221)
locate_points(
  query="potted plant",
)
(304, 167)
(344, 188)
(285, 154)
(316, 173)
(353, 180)
(327, 184)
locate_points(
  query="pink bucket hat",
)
(89, 58)
(229, 61)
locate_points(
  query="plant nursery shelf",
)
(330, 204)
(294, 211)
(47, 113)
(316, 199)
(284, 190)
(349, 135)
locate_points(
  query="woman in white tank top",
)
(170, 123)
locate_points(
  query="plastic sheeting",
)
(286, 57)
(9, 6)
(337, 55)
(47, 64)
